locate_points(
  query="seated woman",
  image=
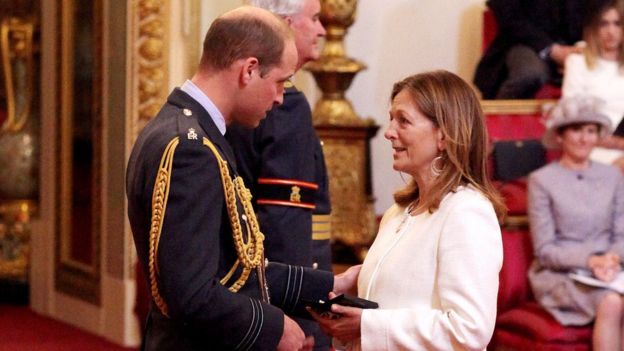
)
(599, 71)
(434, 265)
(576, 214)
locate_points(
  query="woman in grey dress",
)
(576, 213)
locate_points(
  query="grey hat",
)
(574, 110)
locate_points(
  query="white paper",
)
(616, 284)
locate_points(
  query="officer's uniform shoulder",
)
(188, 128)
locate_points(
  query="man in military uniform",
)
(282, 161)
(194, 228)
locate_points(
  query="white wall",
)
(395, 38)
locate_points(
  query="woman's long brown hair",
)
(453, 107)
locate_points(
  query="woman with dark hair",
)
(576, 214)
(434, 265)
(599, 71)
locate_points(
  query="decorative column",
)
(345, 136)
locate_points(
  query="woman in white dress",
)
(434, 265)
(599, 71)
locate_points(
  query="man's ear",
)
(247, 69)
(288, 20)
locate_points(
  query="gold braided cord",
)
(245, 195)
(159, 206)
(230, 273)
(250, 252)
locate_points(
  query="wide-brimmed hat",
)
(578, 109)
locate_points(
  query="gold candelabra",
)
(345, 136)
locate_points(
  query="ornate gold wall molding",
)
(148, 76)
(149, 25)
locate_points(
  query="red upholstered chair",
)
(488, 33)
(548, 91)
(489, 29)
(521, 323)
(514, 120)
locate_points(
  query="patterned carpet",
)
(23, 329)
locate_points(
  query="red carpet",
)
(22, 329)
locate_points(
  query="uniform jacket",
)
(196, 248)
(285, 146)
(534, 23)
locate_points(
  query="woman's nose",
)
(389, 133)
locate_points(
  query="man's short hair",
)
(231, 38)
(278, 7)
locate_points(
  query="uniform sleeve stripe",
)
(276, 181)
(260, 322)
(299, 288)
(293, 294)
(257, 319)
(285, 303)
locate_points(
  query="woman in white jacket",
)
(434, 265)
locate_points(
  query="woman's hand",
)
(345, 327)
(605, 267)
(346, 282)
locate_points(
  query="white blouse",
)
(435, 277)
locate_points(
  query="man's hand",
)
(293, 337)
(346, 282)
(558, 52)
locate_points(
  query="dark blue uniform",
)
(282, 161)
(186, 211)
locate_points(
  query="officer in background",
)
(195, 231)
(282, 161)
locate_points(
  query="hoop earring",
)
(435, 170)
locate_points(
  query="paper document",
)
(586, 278)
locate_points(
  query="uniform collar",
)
(183, 100)
(199, 96)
